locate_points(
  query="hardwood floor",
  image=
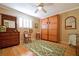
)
(18, 50)
(21, 50)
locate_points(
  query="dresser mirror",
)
(10, 22)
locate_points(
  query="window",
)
(24, 23)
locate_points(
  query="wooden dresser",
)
(9, 39)
(37, 36)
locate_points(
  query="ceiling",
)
(51, 8)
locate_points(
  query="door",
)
(53, 23)
(44, 29)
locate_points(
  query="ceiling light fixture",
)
(40, 7)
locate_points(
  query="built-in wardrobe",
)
(50, 28)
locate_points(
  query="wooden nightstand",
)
(37, 36)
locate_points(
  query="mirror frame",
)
(70, 26)
(11, 18)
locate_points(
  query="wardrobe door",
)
(44, 29)
(53, 28)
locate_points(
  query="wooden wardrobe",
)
(50, 28)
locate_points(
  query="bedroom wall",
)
(63, 32)
(18, 14)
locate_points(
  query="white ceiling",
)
(51, 8)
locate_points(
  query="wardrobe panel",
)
(53, 28)
(45, 37)
(44, 29)
(53, 37)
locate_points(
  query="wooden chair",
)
(27, 37)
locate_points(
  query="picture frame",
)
(2, 28)
(36, 25)
(70, 22)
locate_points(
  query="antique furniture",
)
(37, 35)
(11, 36)
(27, 36)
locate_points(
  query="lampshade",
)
(39, 7)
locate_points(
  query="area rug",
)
(45, 48)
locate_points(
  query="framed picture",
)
(2, 28)
(70, 22)
(36, 25)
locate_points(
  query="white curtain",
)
(25, 23)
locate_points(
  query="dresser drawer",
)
(14, 34)
(4, 34)
(9, 39)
